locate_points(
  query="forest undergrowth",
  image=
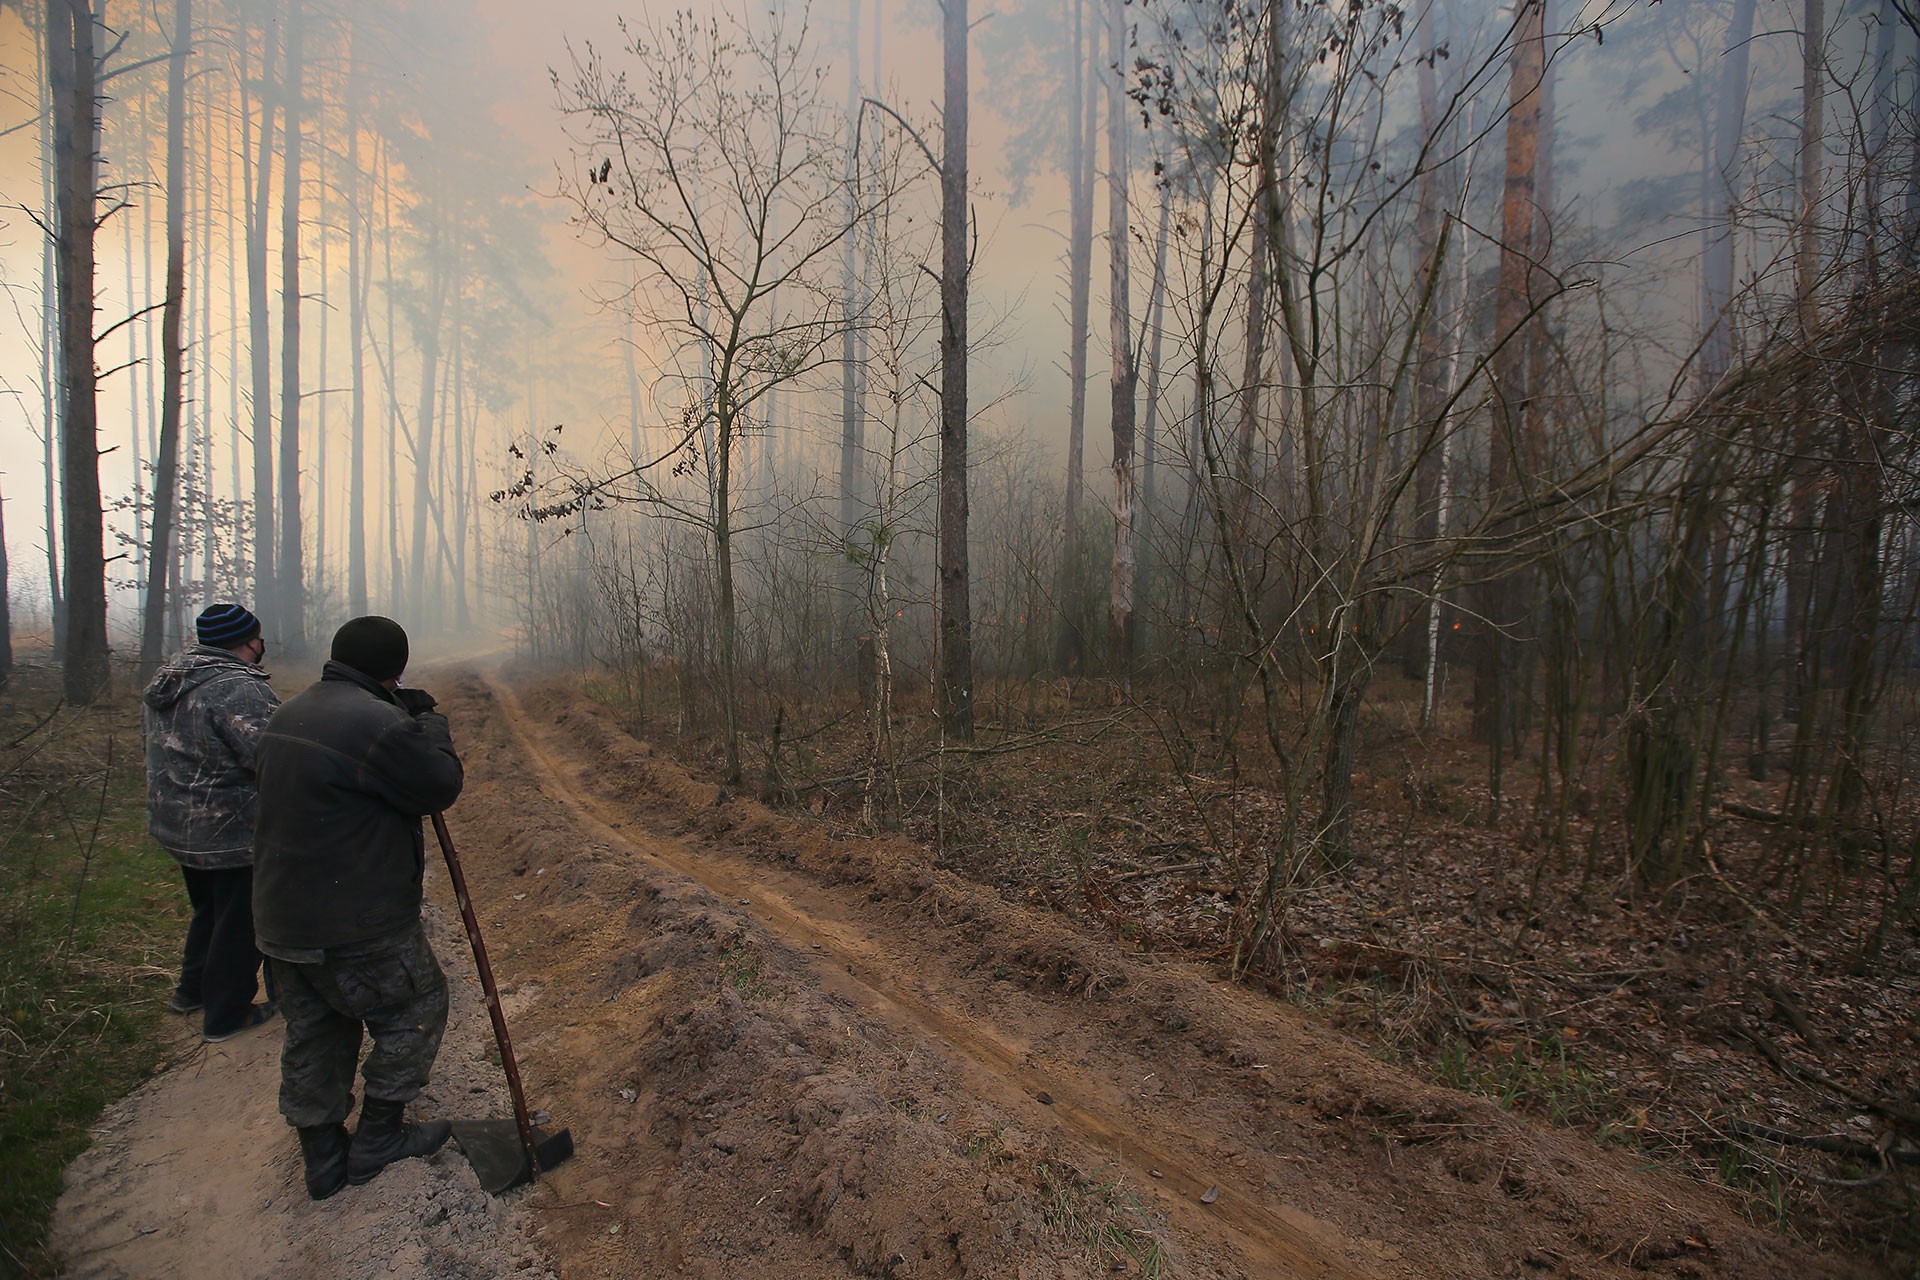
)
(91, 916)
(1755, 1024)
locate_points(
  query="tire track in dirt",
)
(997, 1067)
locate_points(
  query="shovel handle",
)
(519, 1094)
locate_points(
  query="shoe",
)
(182, 1004)
(383, 1138)
(323, 1147)
(258, 1014)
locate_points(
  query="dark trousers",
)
(221, 965)
(393, 990)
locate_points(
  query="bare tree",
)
(714, 159)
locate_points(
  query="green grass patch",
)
(1536, 1076)
(1106, 1218)
(741, 965)
(91, 918)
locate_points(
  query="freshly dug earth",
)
(796, 1056)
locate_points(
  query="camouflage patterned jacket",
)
(204, 714)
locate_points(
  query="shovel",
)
(504, 1154)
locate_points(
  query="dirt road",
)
(790, 1056)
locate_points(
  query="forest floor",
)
(786, 1048)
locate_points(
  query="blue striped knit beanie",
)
(225, 626)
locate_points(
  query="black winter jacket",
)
(345, 777)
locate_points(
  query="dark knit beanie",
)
(376, 647)
(225, 626)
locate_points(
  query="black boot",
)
(325, 1149)
(383, 1137)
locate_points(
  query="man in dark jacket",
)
(347, 770)
(205, 709)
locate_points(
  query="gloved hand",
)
(414, 701)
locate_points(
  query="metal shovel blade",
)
(499, 1158)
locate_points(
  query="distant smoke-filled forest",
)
(1551, 360)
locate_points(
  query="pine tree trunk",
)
(359, 280)
(290, 593)
(1153, 543)
(1804, 487)
(1716, 231)
(161, 558)
(955, 684)
(324, 219)
(851, 424)
(1069, 651)
(1125, 375)
(51, 379)
(260, 338)
(1430, 392)
(1506, 590)
(6, 606)
(427, 338)
(72, 78)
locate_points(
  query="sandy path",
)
(195, 1174)
(1001, 1058)
(789, 1056)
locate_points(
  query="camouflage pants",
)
(394, 990)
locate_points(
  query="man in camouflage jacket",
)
(205, 709)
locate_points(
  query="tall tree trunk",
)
(955, 683)
(1867, 412)
(324, 216)
(1506, 590)
(72, 76)
(461, 438)
(137, 372)
(166, 464)
(259, 334)
(726, 610)
(51, 378)
(1152, 546)
(1716, 230)
(290, 593)
(231, 146)
(6, 604)
(1125, 375)
(1260, 266)
(427, 337)
(1069, 645)
(395, 575)
(851, 425)
(1429, 392)
(359, 280)
(1807, 586)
